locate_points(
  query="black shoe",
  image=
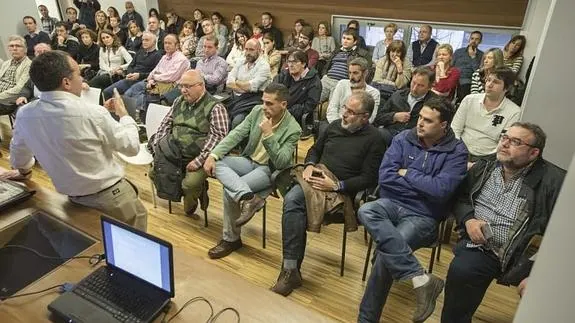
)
(426, 296)
(224, 248)
(288, 280)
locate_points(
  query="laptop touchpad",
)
(74, 309)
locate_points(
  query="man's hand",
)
(116, 104)
(440, 70)
(21, 100)
(133, 76)
(402, 172)
(308, 170)
(398, 64)
(82, 26)
(402, 117)
(210, 166)
(192, 167)
(150, 84)
(473, 228)
(522, 286)
(61, 40)
(266, 126)
(118, 71)
(85, 86)
(322, 183)
(469, 165)
(471, 51)
(243, 85)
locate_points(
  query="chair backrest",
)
(154, 117)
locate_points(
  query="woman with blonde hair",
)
(102, 21)
(188, 39)
(380, 48)
(393, 69)
(492, 59)
(446, 75)
(134, 40)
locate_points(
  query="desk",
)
(193, 277)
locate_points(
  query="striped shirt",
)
(477, 83)
(339, 70)
(514, 64)
(48, 24)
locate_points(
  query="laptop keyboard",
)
(112, 292)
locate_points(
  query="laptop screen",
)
(138, 255)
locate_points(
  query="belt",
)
(102, 190)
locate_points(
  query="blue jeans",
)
(122, 86)
(240, 176)
(294, 225)
(397, 232)
(138, 92)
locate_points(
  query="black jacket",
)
(87, 12)
(89, 55)
(303, 94)
(144, 62)
(133, 46)
(175, 28)
(540, 188)
(398, 103)
(277, 34)
(41, 37)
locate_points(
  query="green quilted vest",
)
(191, 124)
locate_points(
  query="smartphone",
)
(487, 232)
(317, 173)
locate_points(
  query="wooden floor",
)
(323, 289)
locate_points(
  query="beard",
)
(351, 127)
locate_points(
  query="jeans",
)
(327, 87)
(138, 92)
(122, 86)
(240, 176)
(397, 232)
(294, 225)
(468, 277)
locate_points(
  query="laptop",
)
(12, 193)
(135, 285)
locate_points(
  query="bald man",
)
(247, 79)
(195, 124)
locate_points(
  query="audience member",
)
(401, 111)
(492, 60)
(269, 28)
(481, 118)
(502, 207)
(446, 75)
(324, 44)
(175, 23)
(13, 74)
(421, 51)
(44, 130)
(303, 84)
(163, 77)
(88, 10)
(34, 36)
(132, 15)
(48, 23)
(239, 22)
(341, 163)
(467, 60)
(513, 53)
(72, 23)
(188, 39)
(139, 68)
(195, 124)
(354, 24)
(134, 41)
(198, 17)
(101, 21)
(119, 32)
(418, 175)
(88, 53)
(63, 41)
(257, 33)
(208, 30)
(358, 71)
(214, 69)
(272, 55)
(305, 37)
(220, 27)
(153, 12)
(29, 91)
(113, 12)
(114, 58)
(272, 134)
(393, 70)
(293, 39)
(380, 48)
(336, 66)
(247, 80)
(238, 53)
(154, 28)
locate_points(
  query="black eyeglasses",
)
(515, 142)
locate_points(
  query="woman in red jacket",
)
(446, 75)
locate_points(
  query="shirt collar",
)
(58, 95)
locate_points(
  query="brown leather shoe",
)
(249, 209)
(288, 280)
(224, 248)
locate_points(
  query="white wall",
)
(549, 100)
(549, 294)
(533, 25)
(11, 20)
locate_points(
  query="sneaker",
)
(426, 296)
(224, 248)
(249, 208)
(288, 280)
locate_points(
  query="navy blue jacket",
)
(432, 175)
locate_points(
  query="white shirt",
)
(339, 96)
(258, 74)
(74, 141)
(480, 129)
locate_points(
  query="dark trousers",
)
(101, 81)
(469, 276)
(294, 225)
(462, 91)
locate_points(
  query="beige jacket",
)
(21, 78)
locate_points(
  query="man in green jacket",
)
(272, 134)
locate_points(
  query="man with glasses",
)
(195, 124)
(13, 74)
(418, 175)
(482, 117)
(342, 162)
(209, 30)
(503, 208)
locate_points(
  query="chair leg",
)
(296, 153)
(153, 192)
(432, 259)
(343, 244)
(264, 226)
(367, 258)
(170, 207)
(365, 235)
(206, 218)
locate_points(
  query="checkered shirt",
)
(8, 80)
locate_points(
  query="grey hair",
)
(150, 34)
(17, 38)
(361, 62)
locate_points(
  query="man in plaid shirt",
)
(197, 122)
(503, 207)
(48, 23)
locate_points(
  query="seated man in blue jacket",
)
(418, 174)
(504, 207)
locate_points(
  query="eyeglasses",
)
(515, 142)
(188, 86)
(346, 110)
